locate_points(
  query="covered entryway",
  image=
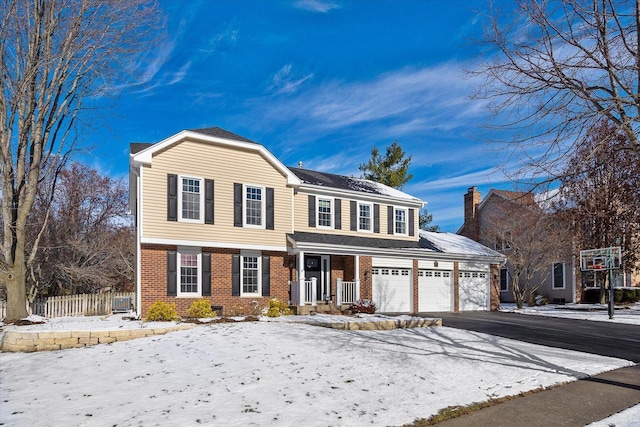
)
(435, 290)
(392, 282)
(474, 290)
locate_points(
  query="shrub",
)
(363, 306)
(629, 295)
(200, 309)
(618, 295)
(277, 308)
(162, 312)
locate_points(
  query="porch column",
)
(356, 267)
(300, 266)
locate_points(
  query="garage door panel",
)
(392, 289)
(473, 290)
(435, 291)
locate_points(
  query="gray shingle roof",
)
(136, 147)
(221, 133)
(363, 242)
(342, 182)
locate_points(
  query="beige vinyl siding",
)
(301, 219)
(226, 166)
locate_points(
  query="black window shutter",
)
(266, 276)
(172, 273)
(411, 222)
(206, 275)
(338, 215)
(235, 274)
(270, 211)
(172, 197)
(376, 218)
(353, 214)
(390, 219)
(237, 205)
(208, 201)
(312, 211)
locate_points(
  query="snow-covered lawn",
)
(596, 312)
(277, 373)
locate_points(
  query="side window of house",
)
(400, 221)
(325, 212)
(190, 199)
(253, 206)
(188, 272)
(365, 217)
(251, 274)
(504, 280)
(558, 275)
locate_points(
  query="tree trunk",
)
(15, 280)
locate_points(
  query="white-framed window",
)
(189, 272)
(365, 217)
(400, 221)
(558, 275)
(250, 274)
(504, 280)
(191, 199)
(254, 206)
(503, 241)
(325, 212)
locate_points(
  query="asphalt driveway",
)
(606, 339)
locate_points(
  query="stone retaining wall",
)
(29, 341)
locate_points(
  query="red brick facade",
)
(154, 281)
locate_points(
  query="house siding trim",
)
(210, 244)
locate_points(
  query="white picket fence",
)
(75, 305)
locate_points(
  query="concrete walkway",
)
(575, 404)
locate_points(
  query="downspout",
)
(138, 174)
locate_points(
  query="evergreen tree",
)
(391, 170)
(424, 220)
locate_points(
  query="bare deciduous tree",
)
(531, 241)
(89, 241)
(54, 57)
(562, 66)
(600, 194)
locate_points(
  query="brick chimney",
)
(471, 227)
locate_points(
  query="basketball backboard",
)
(601, 259)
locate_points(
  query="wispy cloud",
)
(286, 81)
(408, 95)
(316, 5)
(224, 39)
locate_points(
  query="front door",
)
(318, 266)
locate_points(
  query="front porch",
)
(304, 296)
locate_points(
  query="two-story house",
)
(517, 225)
(219, 217)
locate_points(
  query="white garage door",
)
(435, 290)
(392, 289)
(474, 290)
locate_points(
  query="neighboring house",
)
(219, 217)
(500, 220)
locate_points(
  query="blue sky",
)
(321, 82)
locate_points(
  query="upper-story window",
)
(400, 221)
(191, 199)
(365, 217)
(325, 212)
(253, 205)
